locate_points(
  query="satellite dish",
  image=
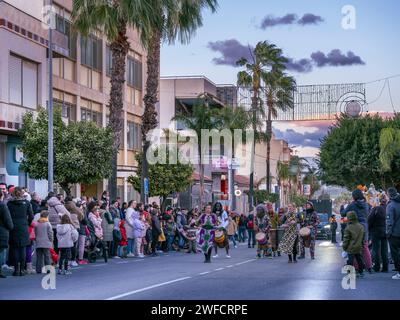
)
(353, 108)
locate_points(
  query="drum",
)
(261, 238)
(219, 237)
(305, 233)
(273, 236)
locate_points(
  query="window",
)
(90, 115)
(134, 136)
(108, 61)
(68, 110)
(64, 27)
(23, 87)
(91, 52)
(134, 73)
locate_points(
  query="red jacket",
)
(124, 240)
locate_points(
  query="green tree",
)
(113, 18)
(202, 117)
(164, 179)
(172, 19)
(312, 178)
(349, 153)
(82, 151)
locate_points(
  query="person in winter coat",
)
(44, 241)
(156, 230)
(361, 208)
(333, 227)
(242, 228)
(310, 219)
(115, 213)
(22, 216)
(107, 224)
(181, 224)
(95, 219)
(393, 228)
(123, 244)
(83, 222)
(67, 235)
(250, 223)
(56, 211)
(6, 225)
(377, 234)
(129, 219)
(35, 202)
(353, 241)
(138, 228)
(231, 229)
(76, 216)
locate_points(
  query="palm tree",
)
(296, 167)
(113, 18)
(173, 19)
(201, 117)
(279, 90)
(234, 119)
(282, 175)
(252, 77)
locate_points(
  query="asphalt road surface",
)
(177, 276)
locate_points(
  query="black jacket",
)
(155, 225)
(6, 225)
(35, 207)
(22, 216)
(377, 222)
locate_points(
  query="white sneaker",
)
(130, 255)
(235, 247)
(216, 256)
(396, 277)
(116, 257)
(141, 255)
(5, 267)
(74, 264)
(228, 256)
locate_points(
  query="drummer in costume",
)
(309, 220)
(208, 222)
(273, 224)
(221, 239)
(262, 227)
(289, 243)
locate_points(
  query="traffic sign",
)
(233, 164)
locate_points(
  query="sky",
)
(311, 35)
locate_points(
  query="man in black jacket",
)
(156, 230)
(6, 225)
(377, 233)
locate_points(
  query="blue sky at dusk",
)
(307, 29)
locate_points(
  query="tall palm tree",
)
(201, 117)
(232, 118)
(296, 166)
(282, 171)
(173, 19)
(252, 77)
(113, 18)
(279, 90)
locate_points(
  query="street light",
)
(50, 156)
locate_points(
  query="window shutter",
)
(15, 80)
(29, 84)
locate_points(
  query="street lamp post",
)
(50, 156)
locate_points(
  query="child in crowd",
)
(353, 242)
(66, 236)
(191, 235)
(123, 244)
(44, 241)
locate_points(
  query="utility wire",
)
(380, 94)
(394, 76)
(390, 95)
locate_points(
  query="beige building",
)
(179, 94)
(81, 85)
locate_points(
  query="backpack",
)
(250, 223)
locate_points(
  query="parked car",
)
(323, 228)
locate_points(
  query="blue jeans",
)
(242, 232)
(120, 251)
(233, 239)
(181, 241)
(170, 241)
(3, 253)
(252, 237)
(130, 245)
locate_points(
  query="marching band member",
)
(207, 221)
(311, 221)
(289, 243)
(223, 220)
(262, 226)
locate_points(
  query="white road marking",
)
(99, 265)
(231, 266)
(147, 288)
(122, 262)
(247, 261)
(219, 269)
(203, 273)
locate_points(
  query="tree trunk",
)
(119, 49)
(149, 118)
(269, 137)
(201, 178)
(254, 103)
(66, 188)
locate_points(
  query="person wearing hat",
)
(310, 220)
(393, 228)
(377, 232)
(361, 208)
(333, 224)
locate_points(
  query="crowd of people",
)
(67, 232)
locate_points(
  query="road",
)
(177, 276)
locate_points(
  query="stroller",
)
(94, 247)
